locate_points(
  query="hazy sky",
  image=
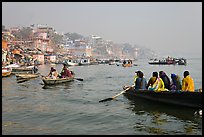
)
(166, 27)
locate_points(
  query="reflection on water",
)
(157, 116)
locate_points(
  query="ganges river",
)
(30, 108)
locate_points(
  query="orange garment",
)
(188, 84)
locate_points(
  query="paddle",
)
(108, 99)
(22, 80)
(80, 79)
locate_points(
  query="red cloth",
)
(66, 73)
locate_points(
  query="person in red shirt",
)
(65, 72)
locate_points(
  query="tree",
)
(74, 36)
(25, 33)
(4, 28)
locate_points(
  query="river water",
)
(30, 108)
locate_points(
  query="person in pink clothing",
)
(65, 72)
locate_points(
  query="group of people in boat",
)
(161, 82)
(127, 62)
(65, 72)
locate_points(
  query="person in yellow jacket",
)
(187, 82)
(159, 85)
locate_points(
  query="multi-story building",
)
(79, 48)
(95, 41)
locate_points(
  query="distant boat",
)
(168, 61)
(84, 62)
(6, 72)
(127, 63)
(28, 69)
(71, 62)
(26, 76)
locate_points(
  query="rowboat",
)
(50, 81)
(179, 98)
(127, 65)
(6, 72)
(23, 70)
(26, 76)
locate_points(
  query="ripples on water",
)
(73, 108)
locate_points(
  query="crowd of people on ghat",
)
(65, 73)
(161, 82)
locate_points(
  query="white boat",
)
(71, 62)
(12, 66)
(84, 62)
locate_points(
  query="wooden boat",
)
(26, 76)
(179, 98)
(20, 70)
(6, 72)
(50, 81)
(127, 65)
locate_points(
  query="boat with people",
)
(173, 97)
(127, 63)
(6, 72)
(168, 61)
(51, 81)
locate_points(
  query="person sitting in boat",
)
(136, 76)
(152, 80)
(175, 82)
(141, 82)
(124, 62)
(165, 79)
(65, 72)
(53, 73)
(158, 85)
(187, 82)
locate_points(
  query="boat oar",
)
(80, 79)
(22, 80)
(108, 99)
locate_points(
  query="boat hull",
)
(127, 65)
(49, 81)
(179, 98)
(26, 76)
(22, 70)
(6, 72)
